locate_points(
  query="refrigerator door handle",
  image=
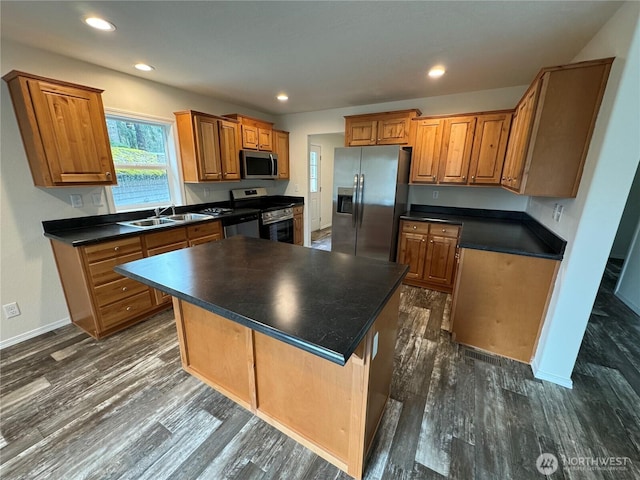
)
(354, 201)
(361, 212)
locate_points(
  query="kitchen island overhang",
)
(302, 338)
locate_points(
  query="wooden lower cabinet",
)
(298, 225)
(430, 250)
(102, 302)
(331, 409)
(500, 301)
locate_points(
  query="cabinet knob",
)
(473, 177)
(124, 289)
(415, 227)
(504, 178)
(509, 179)
(423, 239)
(444, 229)
(434, 177)
(430, 241)
(128, 309)
(464, 177)
(108, 174)
(115, 249)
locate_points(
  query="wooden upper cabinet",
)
(455, 156)
(552, 129)
(208, 147)
(281, 147)
(63, 129)
(489, 148)
(426, 150)
(386, 128)
(255, 134)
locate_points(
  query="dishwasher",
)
(246, 224)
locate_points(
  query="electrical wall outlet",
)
(206, 192)
(97, 199)
(435, 193)
(76, 200)
(11, 310)
(559, 212)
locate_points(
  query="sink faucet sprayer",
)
(159, 211)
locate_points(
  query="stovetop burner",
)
(216, 211)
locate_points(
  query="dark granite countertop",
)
(81, 231)
(321, 302)
(495, 230)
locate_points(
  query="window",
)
(313, 172)
(144, 168)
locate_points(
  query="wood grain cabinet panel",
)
(552, 129)
(281, 147)
(384, 128)
(431, 251)
(208, 147)
(489, 148)
(63, 130)
(298, 225)
(426, 150)
(255, 134)
(455, 156)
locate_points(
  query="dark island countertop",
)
(495, 230)
(318, 301)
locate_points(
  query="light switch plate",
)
(76, 200)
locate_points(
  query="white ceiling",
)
(322, 54)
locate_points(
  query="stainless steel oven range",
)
(276, 218)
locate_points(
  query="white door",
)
(314, 187)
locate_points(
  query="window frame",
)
(174, 172)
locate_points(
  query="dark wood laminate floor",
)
(321, 239)
(122, 408)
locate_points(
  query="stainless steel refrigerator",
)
(370, 190)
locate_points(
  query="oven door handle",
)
(274, 168)
(354, 202)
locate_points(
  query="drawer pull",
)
(115, 249)
(415, 227)
(124, 289)
(430, 241)
(444, 229)
(128, 309)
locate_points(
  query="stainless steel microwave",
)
(258, 165)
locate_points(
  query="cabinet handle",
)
(473, 178)
(128, 309)
(115, 249)
(415, 227)
(108, 174)
(124, 289)
(444, 229)
(434, 177)
(504, 178)
(464, 177)
(423, 239)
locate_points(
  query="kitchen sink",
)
(172, 219)
(189, 217)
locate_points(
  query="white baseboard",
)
(551, 377)
(34, 333)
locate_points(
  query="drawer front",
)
(159, 239)
(102, 272)
(298, 209)
(125, 309)
(167, 248)
(445, 230)
(118, 290)
(117, 248)
(204, 229)
(415, 227)
(201, 240)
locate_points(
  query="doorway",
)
(315, 186)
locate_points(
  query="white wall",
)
(494, 198)
(328, 143)
(590, 221)
(28, 272)
(303, 125)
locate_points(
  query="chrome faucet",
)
(159, 211)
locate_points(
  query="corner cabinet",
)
(255, 134)
(552, 129)
(460, 150)
(208, 147)
(63, 130)
(430, 250)
(387, 128)
(281, 148)
(298, 225)
(102, 302)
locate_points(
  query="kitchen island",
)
(302, 338)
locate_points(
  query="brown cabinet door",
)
(281, 147)
(361, 133)
(412, 252)
(250, 138)
(73, 131)
(518, 146)
(394, 131)
(298, 236)
(441, 260)
(489, 148)
(457, 140)
(207, 146)
(265, 139)
(229, 151)
(426, 151)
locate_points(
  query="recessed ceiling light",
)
(144, 67)
(100, 24)
(436, 72)
(283, 97)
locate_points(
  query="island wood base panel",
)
(333, 410)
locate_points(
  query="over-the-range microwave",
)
(258, 165)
